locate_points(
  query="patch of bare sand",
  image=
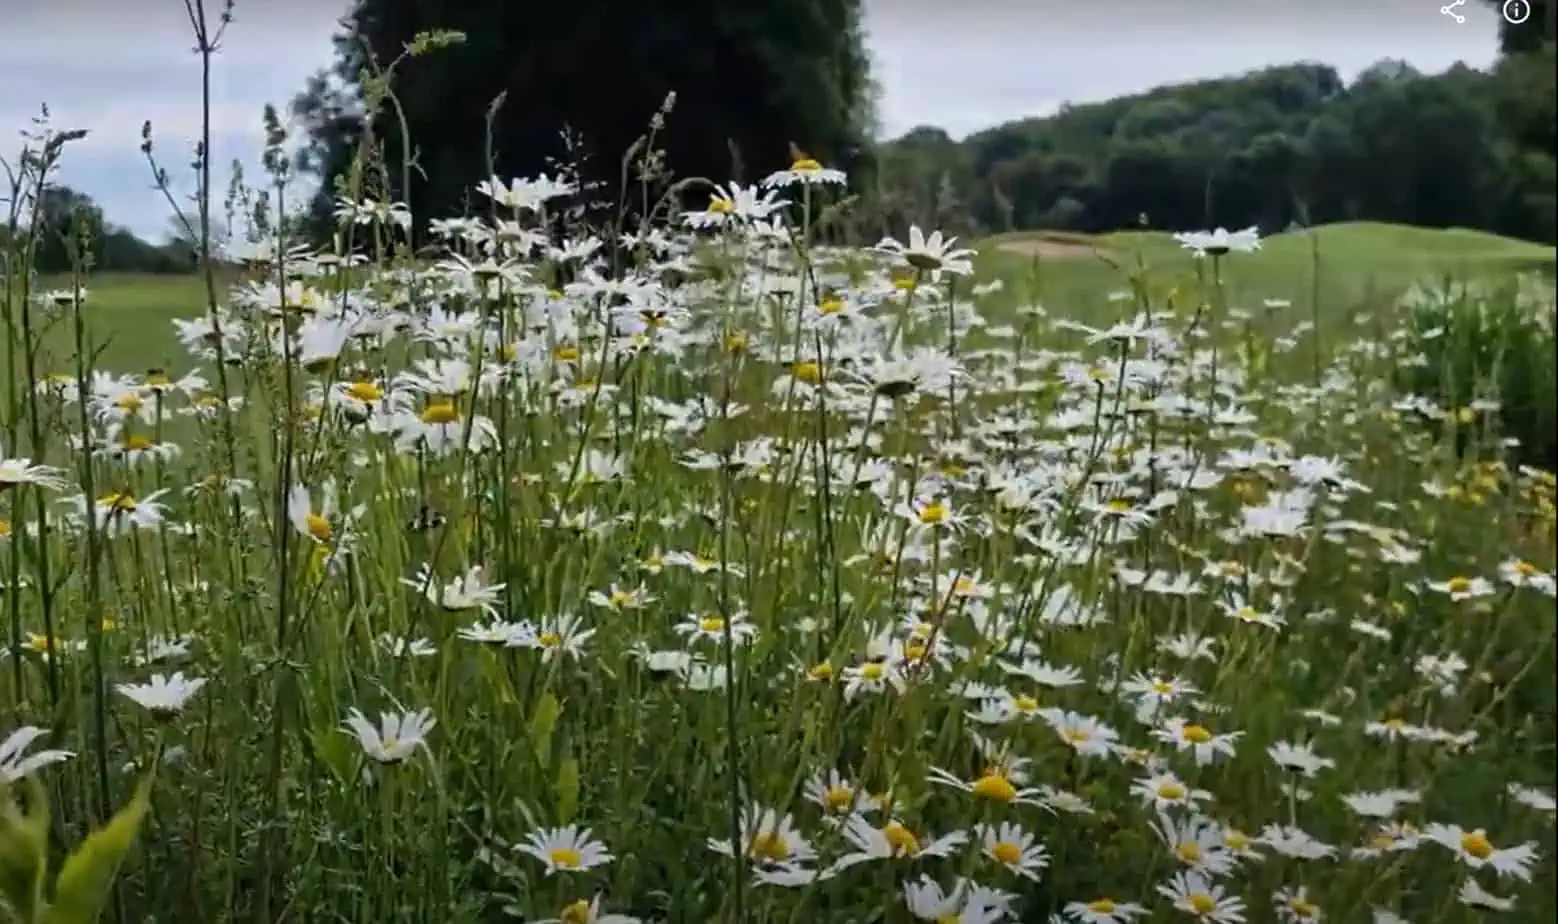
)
(1047, 249)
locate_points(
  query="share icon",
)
(1449, 10)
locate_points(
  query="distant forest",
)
(1285, 145)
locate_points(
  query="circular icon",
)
(1517, 11)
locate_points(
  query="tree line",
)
(733, 90)
(67, 217)
(1284, 145)
(755, 80)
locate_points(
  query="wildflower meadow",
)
(714, 570)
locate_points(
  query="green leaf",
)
(24, 850)
(567, 790)
(542, 723)
(84, 882)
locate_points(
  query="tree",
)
(1531, 33)
(748, 77)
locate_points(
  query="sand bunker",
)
(1048, 249)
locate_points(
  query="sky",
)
(109, 65)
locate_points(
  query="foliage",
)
(1283, 145)
(1488, 350)
(749, 79)
(81, 890)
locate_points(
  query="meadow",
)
(1074, 580)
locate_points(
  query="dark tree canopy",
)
(751, 77)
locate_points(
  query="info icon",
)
(1517, 11)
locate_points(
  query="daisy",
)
(396, 738)
(1475, 850)
(568, 849)
(767, 838)
(15, 763)
(1204, 746)
(164, 697)
(1203, 899)
(1102, 911)
(1012, 847)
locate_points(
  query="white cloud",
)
(108, 66)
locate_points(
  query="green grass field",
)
(1358, 264)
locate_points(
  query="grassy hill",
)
(1358, 263)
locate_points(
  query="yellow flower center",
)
(1458, 585)
(1197, 734)
(565, 858)
(1303, 908)
(711, 624)
(808, 372)
(873, 671)
(117, 502)
(135, 442)
(1526, 569)
(736, 343)
(1247, 613)
(995, 787)
(365, 391)
(838, 799)
(620, 598)
(768, 846)
(915, 650)
(933, 513)
(805, 165)
(1201, 903)
(1162, 687)
(1076, 736)
(1236, 840)
(318, 527)
(1118, 505)
(5, 528)
(1025, 704)
(901, 840)
(549, 639)
(440, 414)
(1006, 852)
(905, 282)
(129, 403)
(1382, 842)
(158, 380)
(1101, 906)
(831, 305)
(1189, 852)
(721, 205)
(575, 913)
(1171, 792)
(566, 354)
(1475, 844)
(820, 671)
(1231, 568)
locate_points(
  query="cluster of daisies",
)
(1096, 623)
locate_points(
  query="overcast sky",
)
(108, 65)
